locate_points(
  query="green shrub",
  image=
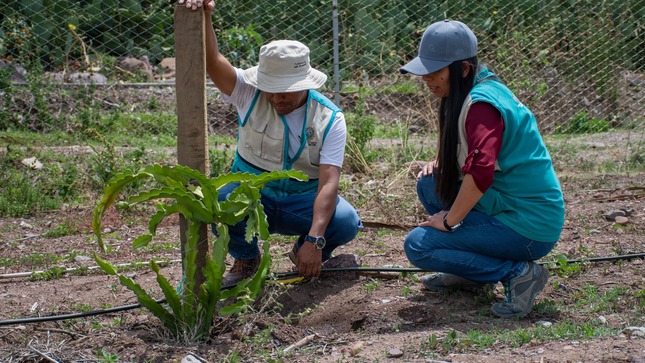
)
(581, 123)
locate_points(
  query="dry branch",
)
(302, 342)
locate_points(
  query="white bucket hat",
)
(284, 67)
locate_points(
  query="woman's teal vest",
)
(525, 194)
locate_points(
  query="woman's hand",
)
(196, 4)
(427, 169)
(435, 221)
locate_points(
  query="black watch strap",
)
(448, 227)
(318, 241)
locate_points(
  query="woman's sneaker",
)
(521, 292)
(445, 282)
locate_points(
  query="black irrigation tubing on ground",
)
(282, 275)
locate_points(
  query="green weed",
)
(372, 285)
(360, 130)
(220, 159)
(564, 269)
(614, 300)
(103, 356)
(546, 308)
(80, 271)
(582, 123)
(232, 357)
(82, 307)
(38, 259)
(52, 273)
(405, 291)
(297, 317)
(61, 230)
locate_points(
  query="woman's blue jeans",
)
(292, 215)
(483, 249)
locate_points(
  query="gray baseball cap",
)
(442, 43)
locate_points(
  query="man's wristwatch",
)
(449, 228)
(318, 241)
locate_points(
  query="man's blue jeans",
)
(292, 216)
(483, 249)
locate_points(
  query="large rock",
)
(133, 65)
(78, 77)
(18, 74)
(168, 66)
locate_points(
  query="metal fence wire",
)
(578, 64)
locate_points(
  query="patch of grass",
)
(23, 195)
(26, 190)
(39, 259)
(81, 307)
(597, 153)
(7, 261)
(38, 139)
(61, 230)
(614, 300)
(232, 357)
(479, 339)
(139, 128)
(51, 273)
(406, 86)
(546, 308)
(582, 122)
(80, 271)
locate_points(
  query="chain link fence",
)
(577, 64)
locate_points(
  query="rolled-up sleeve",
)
(484, 130)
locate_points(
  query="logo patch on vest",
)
(309, 132)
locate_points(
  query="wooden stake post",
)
(192, 136)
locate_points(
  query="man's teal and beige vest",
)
(263, 142)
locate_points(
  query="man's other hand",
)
(196, 4)
(309, 260)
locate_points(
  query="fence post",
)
(192, 136)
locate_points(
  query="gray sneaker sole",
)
(509, 311)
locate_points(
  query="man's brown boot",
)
(241, 269)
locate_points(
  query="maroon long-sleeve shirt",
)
(484, 129)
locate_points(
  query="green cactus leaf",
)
(142, 240)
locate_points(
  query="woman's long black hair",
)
(447, 169)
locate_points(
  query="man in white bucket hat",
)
(284, 124)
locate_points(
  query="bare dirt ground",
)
(362, 318)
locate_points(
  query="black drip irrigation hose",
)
(284, 275)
